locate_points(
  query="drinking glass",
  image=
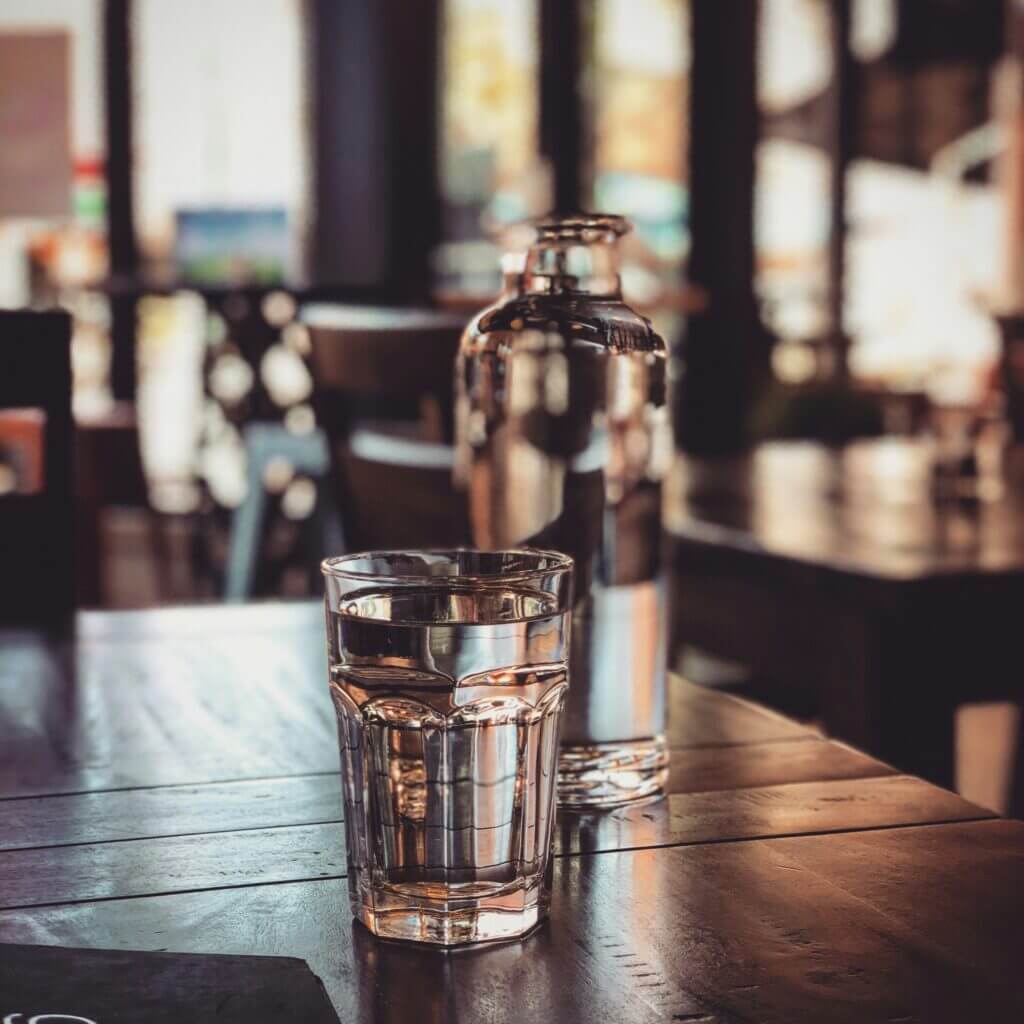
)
(448, 671)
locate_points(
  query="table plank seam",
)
(582, 853)
(172, 835)
(168, 892)
(751, 705)
(340, 821)
(872, 776)
(557, 854)
(809, 737)
(845, 831)
(169, 785)
(878, 908)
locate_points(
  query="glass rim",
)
(558, 563)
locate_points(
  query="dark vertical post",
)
(376, 187)
(561, 105)
(722, 359)
(38, 560)
(1011, 324)
(124, 259)
(841, 126)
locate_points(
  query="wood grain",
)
(102, 817)
(782, 930)
(111, 870)
(193, 757)
(935, 880)
(97, 817)
(702, 717)
(701, 769)
(192, 695)
(169, 697)
(737, 926)
(146, 867)
(799, 808)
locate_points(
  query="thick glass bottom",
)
(390, 914)
(607, 774)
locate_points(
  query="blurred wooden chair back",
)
(36, 496)
(383, 391)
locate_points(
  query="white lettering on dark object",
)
(20, 1018)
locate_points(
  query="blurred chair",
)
(108, 475)
(37, 521)
(383, 393)
(305, 453)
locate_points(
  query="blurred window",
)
(922, 242)
(637, 89)
(791, 233)
(491, 174)
(639, 115)
(222, 173)
(49, 259)
(794, 56)
(791, 190)
(923, 254)
(41, 255)
(873, 26)
(219, 121)
(82, 20)
(922, 258)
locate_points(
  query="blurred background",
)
(828, 208)
(828, 200)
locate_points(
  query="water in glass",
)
(448, 702)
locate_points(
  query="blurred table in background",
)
(835, 571)
(169, 780)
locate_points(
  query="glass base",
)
(408, 918)
(607, 774)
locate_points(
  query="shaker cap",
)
(582, 227)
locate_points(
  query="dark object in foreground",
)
(36, 524)
(112, 986)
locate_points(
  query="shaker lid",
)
(584, 227)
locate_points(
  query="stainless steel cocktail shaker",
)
(564, 438)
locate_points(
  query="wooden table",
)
(833, 570)
(168, 780)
